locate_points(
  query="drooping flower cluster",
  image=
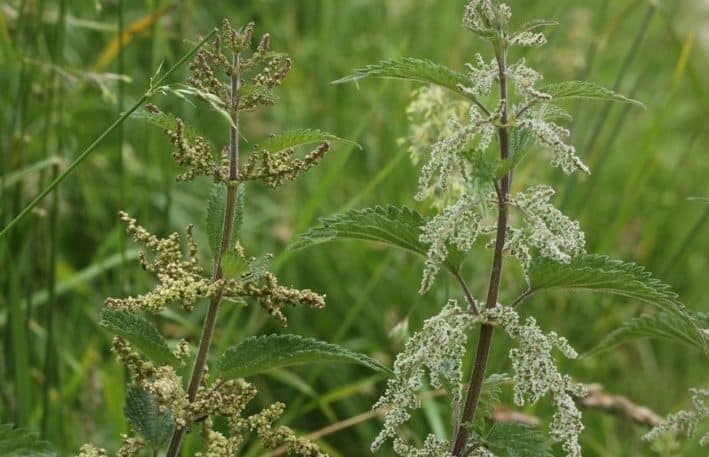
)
(686, 421)
(458, 225)
(547, 229)
(535, 374)
(275, 169)
(438, 348)
(182, 280)
(429, 114)
(225, 398)
(552, 135)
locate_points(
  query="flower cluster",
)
(547, 229)
(437, 348)
(686, 421)
(275, 169)
(196, 155)
(552, 135)
(458, 225)
(485, 18)
(225, 398)
(535, 374)
(447, 155)
(429, 114)
(181, 280)
(130, 447)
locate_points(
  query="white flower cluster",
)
(552, 135)
(686, 421)
(482, 76)
(535, 374)
(432, 447)
(458, 225)
(525, 78)
(528, 38)
(446, 155)
(438, 348)
(484, 17)
(430, 114)
(547, 229)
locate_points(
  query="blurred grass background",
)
(59, 89)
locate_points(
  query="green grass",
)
(57, 373)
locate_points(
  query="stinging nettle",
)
(171, 391)
(471, 130)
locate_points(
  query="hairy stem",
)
(210, 320)
(485, 341)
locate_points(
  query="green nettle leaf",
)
(263, 353)
(19, 442)
(395, 226)
(293, 138)
(146, 418)
(660, 325)
(515, 440)
(588, 90)
(489, 400)
(215, 214)
(597, 273)
(140, 332)
(165, 121)
(412, 69)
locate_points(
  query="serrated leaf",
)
(216, 205)
(536, 23)
(140, 332)
(163, 120)
(294, 138)
(395, 226)
(145, 417)
(588, 90)
(664, 326)
(515, 440)
(412, 69)
(489, 400)
(20, 442)
(597, 273)
(263, 353)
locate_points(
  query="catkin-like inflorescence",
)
(457, 225)
(194, 154)
(552, 135)
(547, 229)
(438, 348)
(686, 422)
(275, 169)
(535, 374)
(271, 296)
(180, 279)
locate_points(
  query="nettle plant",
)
(473, 129)
(168, 396)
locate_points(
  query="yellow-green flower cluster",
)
(275, 169)
(180, 279)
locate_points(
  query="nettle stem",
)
(210, 320)
(503, 189)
